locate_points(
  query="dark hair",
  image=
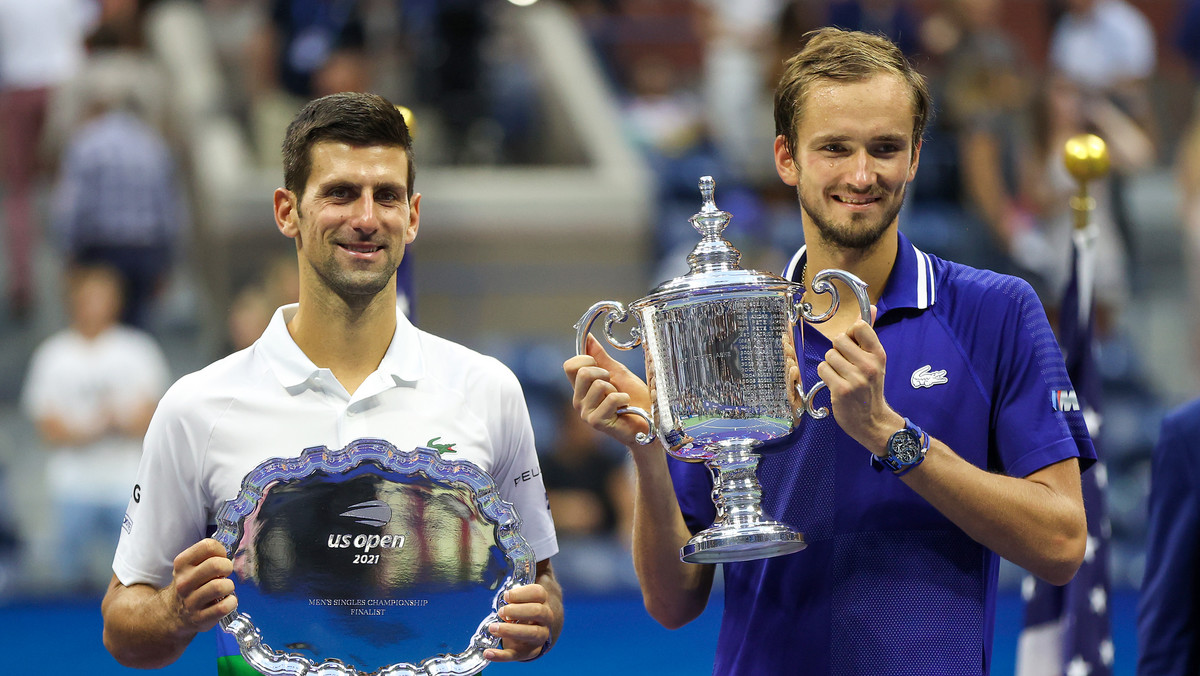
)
(349, 117)
(850, 56)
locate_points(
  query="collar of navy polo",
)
(911, 284)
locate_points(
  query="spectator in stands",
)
(737, 65)
(41, 47)
(118, 200)
(91, 390)
(1105, 49)
(664, 118)
(304, 49)
(896, 19)
(1064, 110)
(587, 482)
(966, 201)
(988, 92)
(253, 306)
(447, 40)
(120, 25)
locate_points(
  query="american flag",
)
(1068, 631)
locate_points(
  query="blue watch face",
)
(904, 446)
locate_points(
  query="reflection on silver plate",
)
(370, 561)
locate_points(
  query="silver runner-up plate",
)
(370, 561)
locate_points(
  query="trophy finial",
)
(710, 220)
(707, 189)
(1086, 157)
(713, 251)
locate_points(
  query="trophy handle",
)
(822, 284)
(616, 313)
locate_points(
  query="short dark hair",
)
(349, 117)
(849, 56)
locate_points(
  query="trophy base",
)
(727, 544)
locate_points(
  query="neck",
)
(873, 266)
(348, 339)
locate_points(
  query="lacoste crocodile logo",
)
(926, 377)
(442, 449)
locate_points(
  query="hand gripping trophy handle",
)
(822, 283)
(616, 313)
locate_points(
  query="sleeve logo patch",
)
(1064, 400)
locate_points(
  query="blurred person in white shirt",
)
(91, 390)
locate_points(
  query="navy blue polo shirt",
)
(887, 584)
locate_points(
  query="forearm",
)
(1037, 522)
(674, 592)
(140, 628)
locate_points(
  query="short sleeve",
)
(1038, 419)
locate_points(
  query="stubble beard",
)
(853, 234)
(355, 286)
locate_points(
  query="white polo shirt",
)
(269, 400)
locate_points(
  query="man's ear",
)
(286, 212)
(785, 164)
(414, 218)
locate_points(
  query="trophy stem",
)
(741, 531)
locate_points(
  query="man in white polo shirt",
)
(340, 365)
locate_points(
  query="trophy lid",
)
(714, 262)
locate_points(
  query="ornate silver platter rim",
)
(420, 461)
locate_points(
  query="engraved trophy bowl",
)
(723, 377)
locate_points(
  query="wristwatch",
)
(906, 449)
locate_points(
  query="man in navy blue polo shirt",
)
(954, 441)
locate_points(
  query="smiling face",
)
(853, 159)
(352, 220)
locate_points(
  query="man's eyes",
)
(350, 193)
(877, 151)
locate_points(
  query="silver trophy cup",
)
(723, 377)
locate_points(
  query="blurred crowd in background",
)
(111, 290)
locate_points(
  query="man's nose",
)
(366, 212)
(862, 169)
